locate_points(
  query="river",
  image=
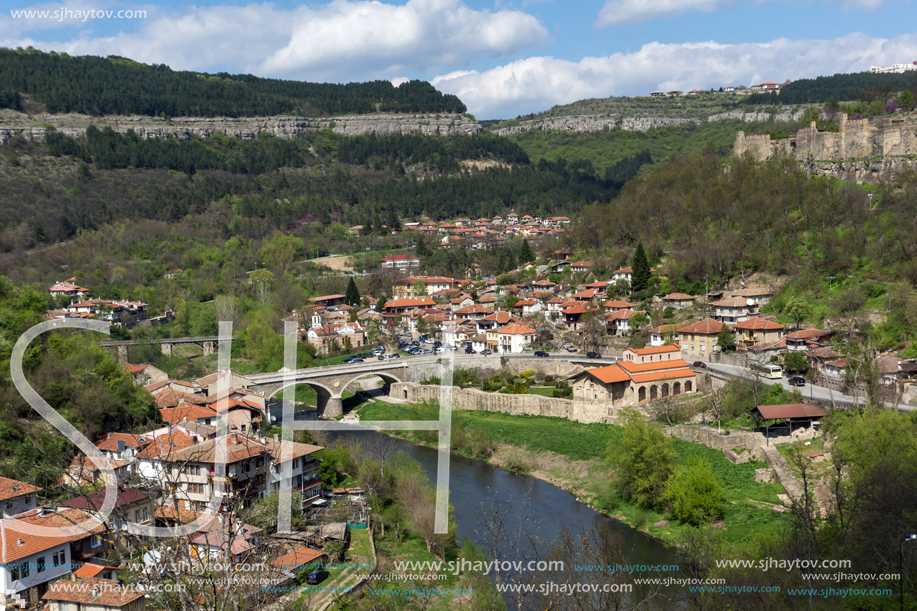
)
(472, 482)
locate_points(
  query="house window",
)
(9, 504)
(136, 515)
(275, 486)
(146, 514)
(58, 558)
(95, 541)
(703, 347)
(20, 571)
(28, 500)
(40, 564)
(295, 463)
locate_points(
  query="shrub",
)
(694, 493)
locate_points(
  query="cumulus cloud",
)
(342, 40)
(380, 37)
(537, 83)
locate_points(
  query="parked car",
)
(593, 355)
(486, 352)
(425, 351)
(379, 350)
(353, 359)
(700, 364)
(438, 350)
(316, 577)
(542, 354)
(394, 355)
(797, 381)
(570, 347)
(470, 350)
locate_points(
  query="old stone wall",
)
(860, 149)
(247, 128)
(478, 400)
(712, 438)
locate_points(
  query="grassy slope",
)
(747, 502)
(604, 149)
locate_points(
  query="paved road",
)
(810, 392)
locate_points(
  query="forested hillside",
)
(58, 83)
(56, 189)
(844, 87)
(72, 373)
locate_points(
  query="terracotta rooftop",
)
(10, 489)
(517, 329)
(92, 592)
(759, 324)
(791, 410)
(708, 326)
(298, 557)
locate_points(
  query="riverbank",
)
(570, 456)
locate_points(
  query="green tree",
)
(525, 253)
(798, 308)
(795, 361)
(372, 330)
(640, 278)
(810, 114)
(418, 288)
(352, 296)
(694, 493)
(422, 250)
(906, 99)
(643, 460)
(280, 251)
(725, 338)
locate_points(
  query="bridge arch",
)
(319, 388)
(387, 377)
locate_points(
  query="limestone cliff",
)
(246, 128)
(587, 123)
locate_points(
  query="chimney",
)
(20, 542)
(96, 591)
(109, 435)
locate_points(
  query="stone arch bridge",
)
(329, 382)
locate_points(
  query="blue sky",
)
(502, 58)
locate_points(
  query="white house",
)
(514, 337)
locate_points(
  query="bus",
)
(766, 370)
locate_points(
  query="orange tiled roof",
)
(708, 326)
(655, 349)
(610, 374)
(297, 558)
(10, 488)
(759, 324)
(516, 328)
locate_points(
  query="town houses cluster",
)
(482, 233)
(166, 476)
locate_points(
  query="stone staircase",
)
(783, 472)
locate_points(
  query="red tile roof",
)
(759, 324)
(517, 329)
(654, 350)
(11, 488)
(300, 556)
(708, 326)
(109, 441)
(791, 410)
(92, 592)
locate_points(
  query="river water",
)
(472, 482)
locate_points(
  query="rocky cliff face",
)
(596, 123)
(246, 128)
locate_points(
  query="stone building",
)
(629, 383)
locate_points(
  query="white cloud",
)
(617, 12)
(537, 83)
(379, 38)
(340, 41)
(398, 81)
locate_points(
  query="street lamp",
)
(912, 537)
